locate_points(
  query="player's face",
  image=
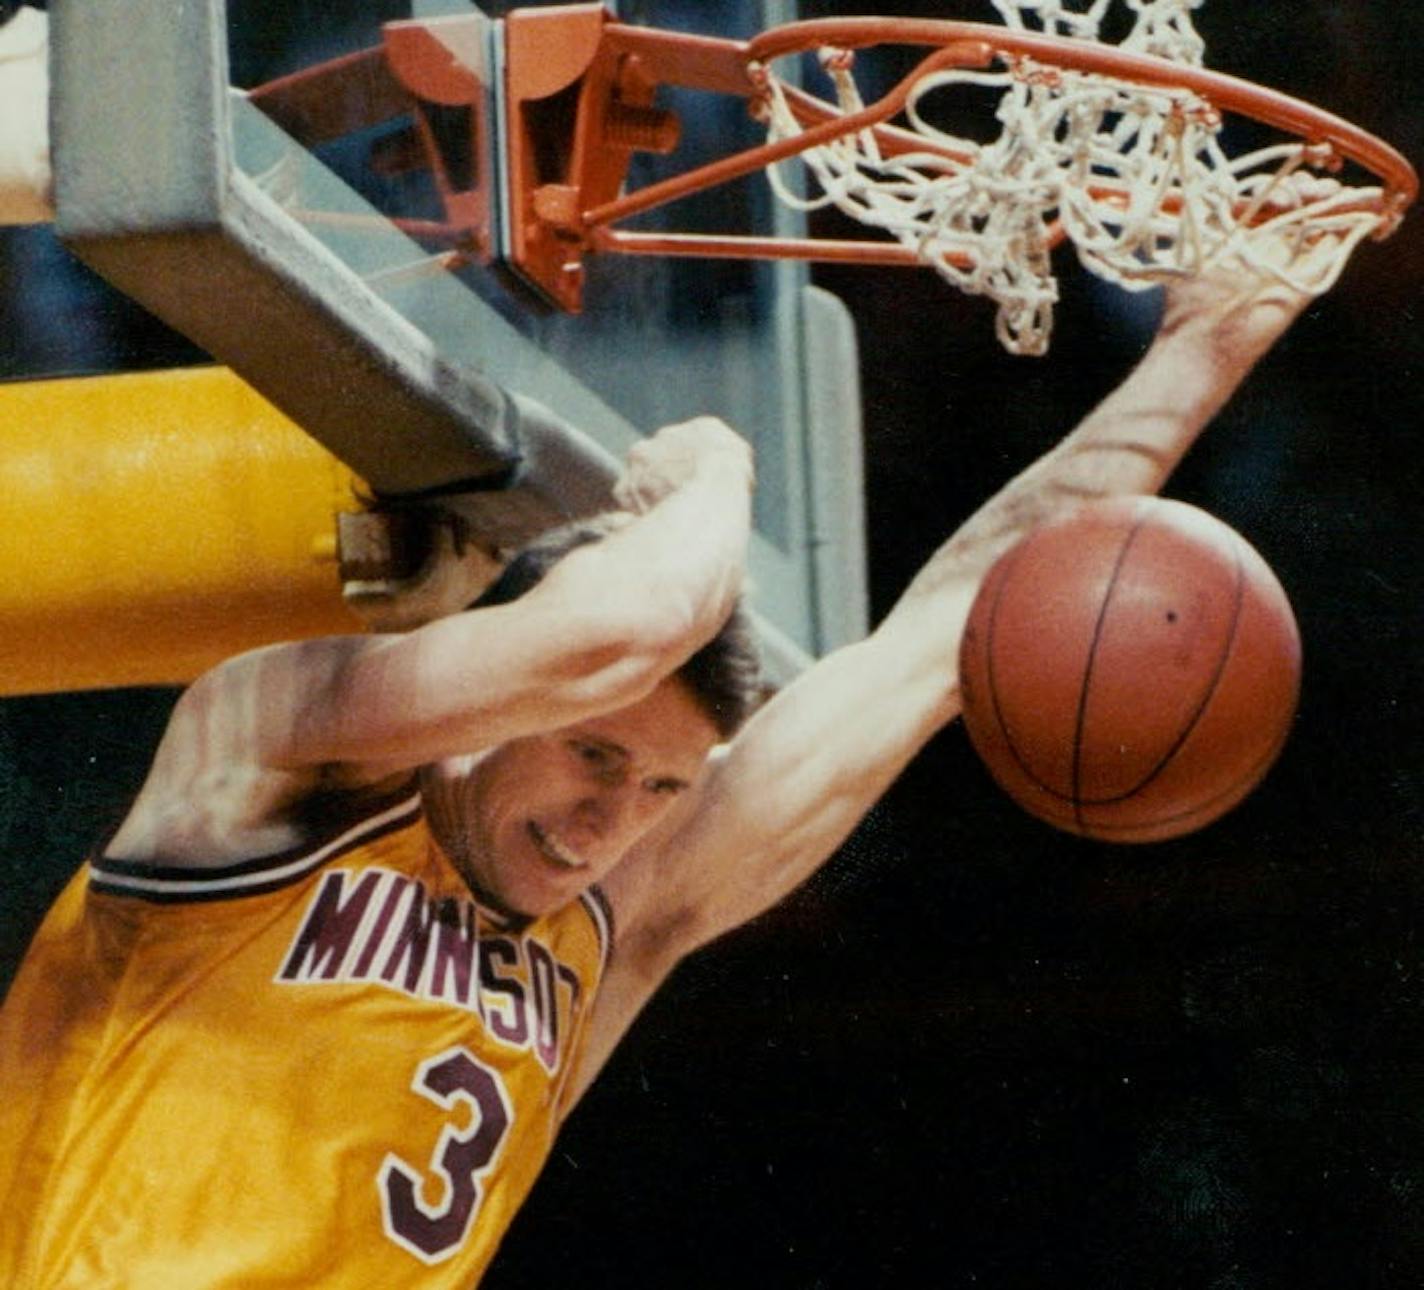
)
(552, 813)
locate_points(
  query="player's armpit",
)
(784, 794)
(775, 804)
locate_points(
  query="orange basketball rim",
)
(575, 94)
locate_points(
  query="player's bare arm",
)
(784, 795)
(261, 733)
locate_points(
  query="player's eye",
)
(605, 763)
(593, 754)
(665, 787)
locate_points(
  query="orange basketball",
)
(1130, 670)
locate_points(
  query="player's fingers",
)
(626, 496)
(635, 494)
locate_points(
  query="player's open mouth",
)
(552, 849)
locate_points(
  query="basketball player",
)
(385, 904)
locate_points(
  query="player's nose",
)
(605, 810)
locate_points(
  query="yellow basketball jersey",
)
(332, 1068)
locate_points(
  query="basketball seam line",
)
(1252, 777)
(1226, 650)
(1081, 719)
(989, 656)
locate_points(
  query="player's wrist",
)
(730, 464)
(1243, 317)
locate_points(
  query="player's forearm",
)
(744, 851)
(1209, 340)
(1212, 335)
(606, 624)
(678, 569)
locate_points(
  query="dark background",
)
(973, 1052)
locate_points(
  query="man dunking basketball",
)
(385, 904)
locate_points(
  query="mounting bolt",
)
(557, 205)
(644, 129)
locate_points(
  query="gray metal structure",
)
(174, 187)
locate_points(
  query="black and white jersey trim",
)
(167, 884)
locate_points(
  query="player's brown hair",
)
(724, 675)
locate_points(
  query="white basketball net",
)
(1135, 175)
